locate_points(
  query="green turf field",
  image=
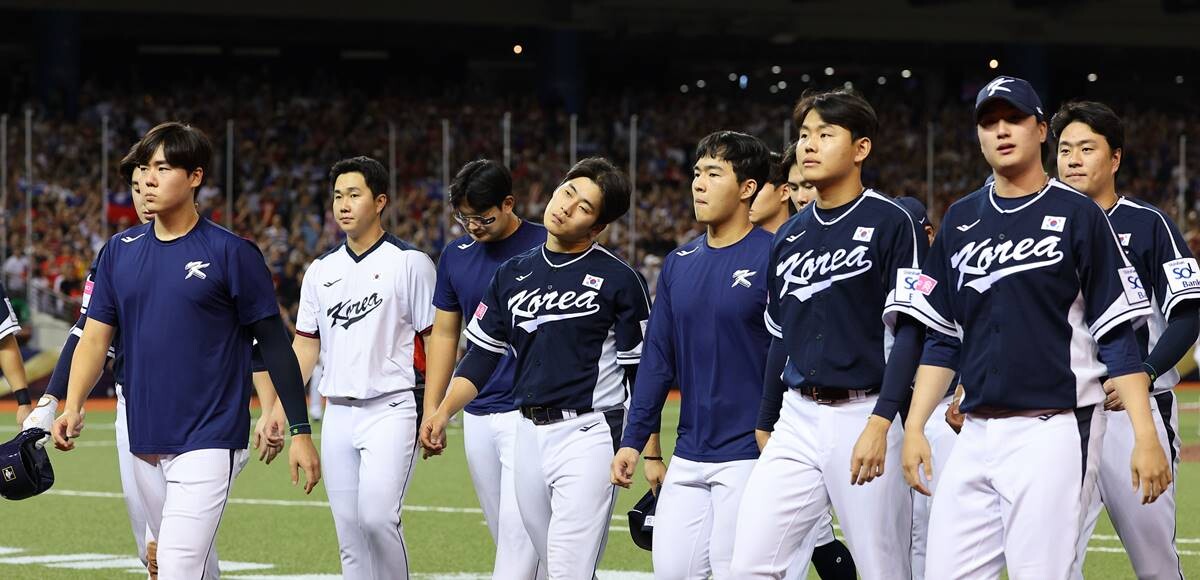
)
(271, 530)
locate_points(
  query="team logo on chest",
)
(537, 308)
(347, 313)
(196, 269)
(991, 262)
(800, 268)
(742, 278)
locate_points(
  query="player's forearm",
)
(901, 366)
(11, 363)
(1180, 334)
(57, 387)
(773, 386)
(1134, 392)
(265, 391)
(307, 350)
(439, 365)
(653, 446)
(460, 392)
(645, 410)
(87, 363)
(284, 368)
(929, 389)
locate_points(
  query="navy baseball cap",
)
(641, 520)
(25, 466)
(1018, 92)
(915, 208)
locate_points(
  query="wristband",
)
(652, 458)
(22, 397)
(1153, 374)
(300, 429)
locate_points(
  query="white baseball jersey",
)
(369, 312)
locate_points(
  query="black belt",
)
(830, 395)
(548, 415)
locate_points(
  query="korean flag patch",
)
(1053, 223)
(1135, 293)
(1125, 239)
(906, 284)
(591, 281)
(1182, 274)
(864, 234)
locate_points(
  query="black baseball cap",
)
(641, 520)
(25, 466)
(915, 208)
(1017, 92)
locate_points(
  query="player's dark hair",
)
(482, 183)
(843, 108)
(747, 154)
(372, 171)
(778, 174)
(613, 184)
(128, 164)
(1098, 116)
(184, 147)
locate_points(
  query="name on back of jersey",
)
(1182, 274)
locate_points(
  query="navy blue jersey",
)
(707, 335)
(571, 323)
(1029, 286)
(834, 294)
(1165, 266)
(463, 273)
(185, 306)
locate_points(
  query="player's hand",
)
(914, 454)
(954, 417)
(68, 426)
(42, 417)
(1150, 469)
(302, 455)
(655, 471)
(870, 452)
(433, 434)
(623, 464)
(268, 437)
(1112, 400)
(762, 437)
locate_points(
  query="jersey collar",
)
(358, 258)
(992, 197)
(817, 214)
(568, 262)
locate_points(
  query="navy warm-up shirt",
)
(1030, 286)
(463, 273)
(1165, 266)
(184, 306)
(572, 321)
(707, 335)
(834, 295)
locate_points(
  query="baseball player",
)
(481, 195)
(187, 375)
(56, 390)
(716, 280)
(1091, 140)
(365, 309)
(1027, 273)
(800, 191)
(772, 204)
(835, 308)
(573, 314)
(11, 363)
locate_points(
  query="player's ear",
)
(1043, 131)
(1116, 159)
(196, 177)
(749, 188)
(381, 201)
(862, 148)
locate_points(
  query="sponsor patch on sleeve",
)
(480, 311)
(925, 285)
(1132, 285)
(906, 284)
(1182, 274)
(87, 294)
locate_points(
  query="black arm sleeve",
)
(477, 366)
(57, 387)
(901, 367)
(284, 369)
(773, 386)
(1181, 332)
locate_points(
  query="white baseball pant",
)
(941, 442)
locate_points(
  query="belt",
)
(548, 415)
(833, 396)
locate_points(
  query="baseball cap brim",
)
(1019, 106)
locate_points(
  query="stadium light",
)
(906, 73)
(733, 77)
(774, 89)
(518, 49)
(683, 88)
(881, 80)
(701, 84)
(993, 64)
(782, 85)
(743, 81)
(804, 78)
(849, 86)
(1092, 77)
(776, 69)
(1179, 79)
(829, 71)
